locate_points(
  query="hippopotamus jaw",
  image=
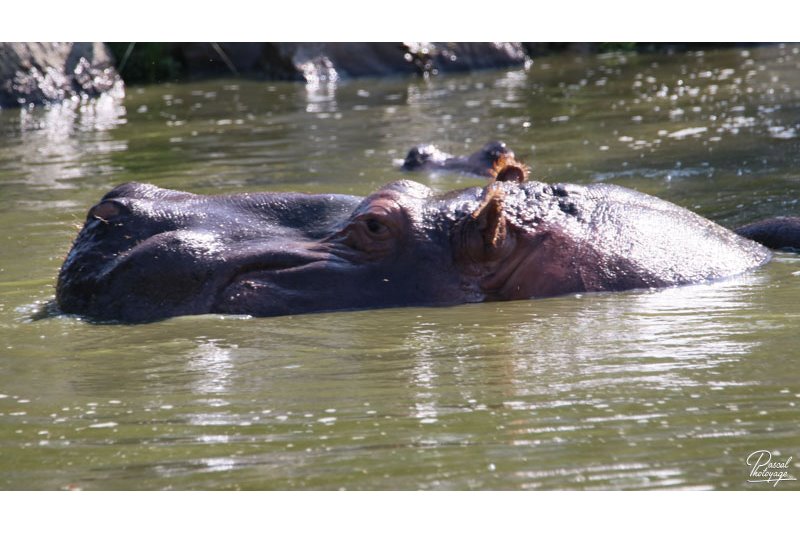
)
(267, 290)
(161, 277)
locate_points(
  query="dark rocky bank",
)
(36, 73)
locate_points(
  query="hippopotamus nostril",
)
(495, 149)
(424, 155)
(416, 158)
(107, 210)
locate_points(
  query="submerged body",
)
(147, 253)
(780, 233)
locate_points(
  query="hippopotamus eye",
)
(375, 226)
(376, 231)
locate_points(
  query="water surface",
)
(662, 389)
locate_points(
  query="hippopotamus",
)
(481, 163)
(147, 253)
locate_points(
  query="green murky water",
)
(672, 388)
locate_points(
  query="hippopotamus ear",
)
(506, 168)
(491, 219)
(482, 235)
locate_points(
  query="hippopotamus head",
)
(479, 163)
(147, 253)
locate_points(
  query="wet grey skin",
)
(427, 157)
(147, 253)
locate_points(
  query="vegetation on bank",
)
(146, 62)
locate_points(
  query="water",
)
(664, 389)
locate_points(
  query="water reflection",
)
(424, 378)
(61, 143)
(321, 96)
(618, 368)
(656, 339)
(211, 366)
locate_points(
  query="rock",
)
(36, 73)
(379, 59)
(316, 62)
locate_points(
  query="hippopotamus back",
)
(663, 243)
